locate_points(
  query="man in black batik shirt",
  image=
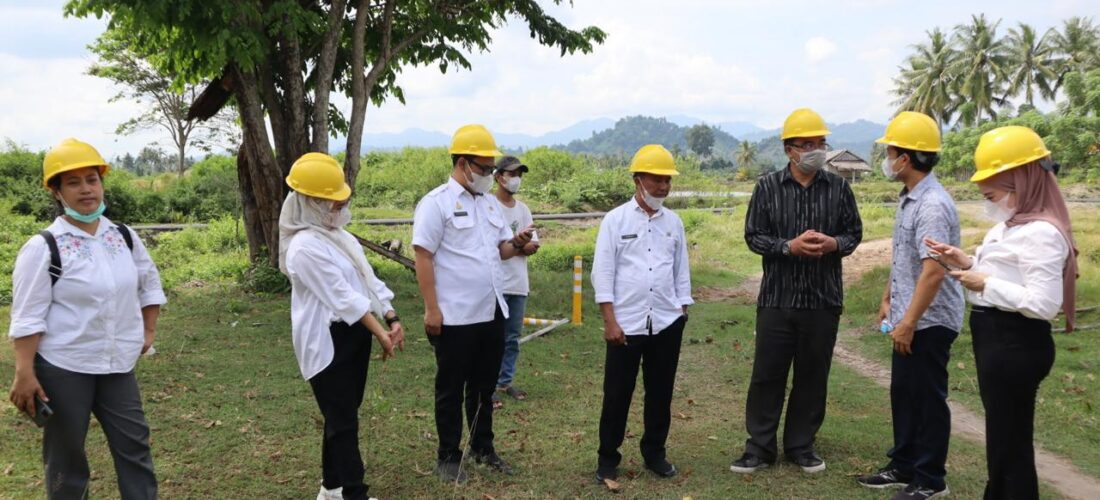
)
(802, 220)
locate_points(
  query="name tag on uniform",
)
(629, 236)
(460, 214)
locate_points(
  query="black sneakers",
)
(494, 462)
(810, 462)
(918, 492)
(451, 472)
(885, 478)
(662, 468)
(747, 464)
(602, 473)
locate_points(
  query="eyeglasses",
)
(483, 169)
(810, 146)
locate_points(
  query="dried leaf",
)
(961, 365)
(613, 485)
(8, 469)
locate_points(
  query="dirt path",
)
(1053, 469)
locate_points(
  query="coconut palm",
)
(982, 66)
(1033, 65)
(1078, 44)
(926, 84)
(746, 154)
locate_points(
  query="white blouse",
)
(90, 320)
(326, 287)
(1024, 264)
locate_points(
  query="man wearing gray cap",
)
(509, 174)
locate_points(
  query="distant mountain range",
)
(609, 136)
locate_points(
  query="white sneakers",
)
(333, 494)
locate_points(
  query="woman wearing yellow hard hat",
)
(334, 299)
(85, 302)
(1024, 272)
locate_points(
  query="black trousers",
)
(918, 405)
(658, 355)
(804, 337)
(467, 361)
(338, 390)
(1013, 354)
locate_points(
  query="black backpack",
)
(55, 254)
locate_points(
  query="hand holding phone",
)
(42, 412)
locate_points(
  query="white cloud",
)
(47, 100)
(819, 49)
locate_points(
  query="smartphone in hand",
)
(42, 412)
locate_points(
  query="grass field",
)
(232, 418)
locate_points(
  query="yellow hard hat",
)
(71, 154)
(320, 176)
(474, 140)
(653, 159)
(912, 130)
(1006, 148)
(804, 122)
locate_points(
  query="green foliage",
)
(196, 256)
(631, 133)
(700, 139)
(261, 277)
(21, 170)
(1073, 139)
(17, 230)
(401, 178)
(209, 190)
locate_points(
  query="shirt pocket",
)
(494, 228)
(669, 244)
(459, 231)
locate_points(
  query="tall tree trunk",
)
(264, 172)
(181, 165)
(252, 228)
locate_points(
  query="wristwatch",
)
(787, 247)
(391, 321)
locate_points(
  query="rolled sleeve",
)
(32, 290)
(427, 225)
(318, 273)
(150, 290)
(603, 264)
(384, 294)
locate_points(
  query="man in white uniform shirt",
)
(509, 175)
(460, 239)
(643, 286)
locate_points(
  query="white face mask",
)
(651, 201)
(338, 219)
(810, 162)
(999, 211)
(888, 168)
(479, 183)
(511, 184)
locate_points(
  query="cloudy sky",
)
(717, 60)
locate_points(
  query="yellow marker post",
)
(577, 293)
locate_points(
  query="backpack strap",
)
(55, 256)
(126, 235)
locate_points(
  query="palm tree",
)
(982, 68)
(927, 85)
(1078, 45)
(1032, 64)
(746, 154)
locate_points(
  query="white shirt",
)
(641, 268)
(325, 287)
(1024, 264)
(517, 218)
(463, 232)
(90, 320)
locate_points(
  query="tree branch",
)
(326, 64)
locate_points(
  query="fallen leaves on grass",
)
(612, 485)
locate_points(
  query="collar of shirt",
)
(61, 225)
(785, 175)
(925, 185)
